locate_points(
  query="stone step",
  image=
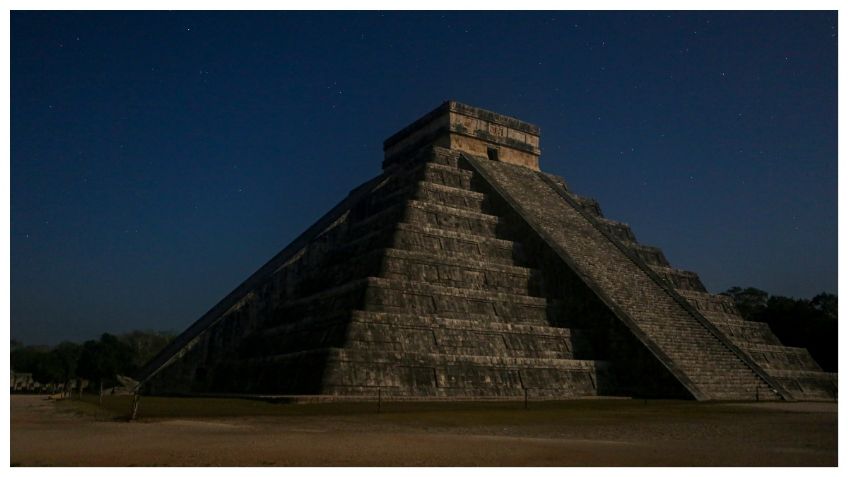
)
(665, 329)
(714, 316)
(412, 187)
(741, 389)
(589, 205)
(681, 336)
(458, 375)
(460, 341)
(720, 381)
(326, 302)
(450, 197)
(809, 385)
(619, 230)
(429, 214)
(434, 240)
(355, 232)
(444, 175)
(387, 230)
(474, 322)
(752, 395)
(444, 156)
(781, 357)
(695, 367)
(721, 368)
(405, 185)
(704, 302)
(755, 337)
(463, 321)
(437, 155)
(697, 340)
(459, 272)
(402, 187)
(789, 373)
(648, 254)
(680, 279)
(341, 269)
(376, 219)
(403, 296)
(708, 371)
(355, 371)
(672, 345)
(451, 218)
(420, 297)
(472, 336)
(442, 359)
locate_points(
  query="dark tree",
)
(827, 304)
(66, 356)
(24, 359)
(45, 365)
(95, 360)
(47, 369)
(749, 301)
(810, 324)
(102, 360)
(145, 345)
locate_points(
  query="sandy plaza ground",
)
(569, 433)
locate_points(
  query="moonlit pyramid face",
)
(464, 271)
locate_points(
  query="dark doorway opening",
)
(493, 154)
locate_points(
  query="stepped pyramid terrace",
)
(465, 271)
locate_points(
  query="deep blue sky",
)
(160, 158)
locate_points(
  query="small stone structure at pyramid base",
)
(463, 271)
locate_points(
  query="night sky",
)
(158, 159)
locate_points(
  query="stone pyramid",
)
(463, 271)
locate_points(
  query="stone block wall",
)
(417, 290)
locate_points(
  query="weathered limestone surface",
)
(422, 291)
(800, 376)
(693, 352)
(460, 127)
(444, 276)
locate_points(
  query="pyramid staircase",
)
(791, 367)
(684, 326)
(454, 276)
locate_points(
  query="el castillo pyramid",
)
(464, 271)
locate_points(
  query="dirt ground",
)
(579, 433)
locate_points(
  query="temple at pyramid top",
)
(465, 128)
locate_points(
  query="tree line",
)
(98, 361)
(804, 323)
